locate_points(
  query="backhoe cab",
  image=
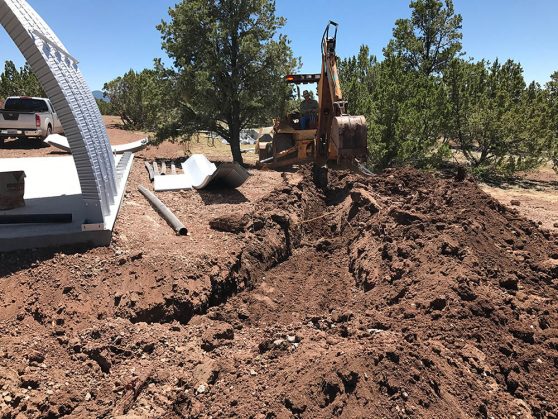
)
(333, 136)
(289, 144)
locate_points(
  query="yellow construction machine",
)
(334, 138)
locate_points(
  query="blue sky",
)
(111, 36)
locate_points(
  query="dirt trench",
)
(405, 294)
(299, 215)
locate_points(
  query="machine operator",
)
(308, 110)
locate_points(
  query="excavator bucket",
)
(349, 137)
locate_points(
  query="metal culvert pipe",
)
(166, 213)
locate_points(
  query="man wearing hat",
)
(308, 110)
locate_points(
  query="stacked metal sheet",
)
(199, 172)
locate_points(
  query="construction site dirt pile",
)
(405, 294)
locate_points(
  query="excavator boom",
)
(336, 136)
(339, 136)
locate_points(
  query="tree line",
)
(23, 82)
(425, 103)
(228, 62)
(19, 82)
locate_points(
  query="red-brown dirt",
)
(404, 294)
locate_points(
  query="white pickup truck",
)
(28, 117)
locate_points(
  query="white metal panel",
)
(200, 169)
(172, 182)
(199, 172)
(132, 147)
(61, 142)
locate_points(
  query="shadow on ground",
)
(19, 260)
(217, 194)
(23, 144)
(518, 182)
(117, 125)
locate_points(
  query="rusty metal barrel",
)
(349, 137)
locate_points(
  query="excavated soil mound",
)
(405, 294)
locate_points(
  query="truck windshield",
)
(26, 105)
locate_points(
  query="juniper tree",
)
(229, 63)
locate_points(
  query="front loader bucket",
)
(349, 137)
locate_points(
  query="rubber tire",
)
(283, 142)
(264, 153)
(49, 132)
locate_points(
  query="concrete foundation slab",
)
(52, 187)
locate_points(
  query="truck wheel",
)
(264, 153)
(49, 131)
(282, 141)
(1, 142)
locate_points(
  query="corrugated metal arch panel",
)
(60, 77)
(42, 26)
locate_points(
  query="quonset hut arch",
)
(62, 81)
